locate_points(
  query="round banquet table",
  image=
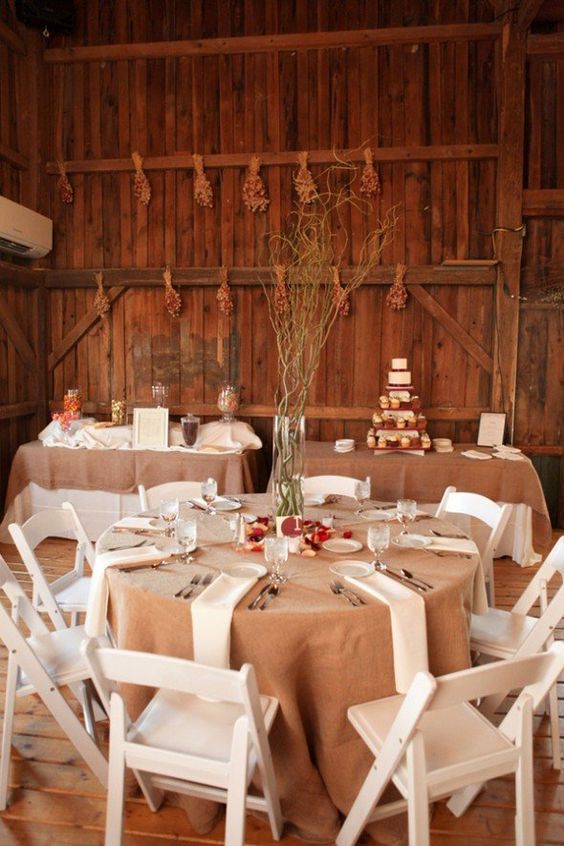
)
(312, 650)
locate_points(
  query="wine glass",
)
(406, 511)
(168, 511)
(378, 540)
(186, 535)
(209, 492)
(276, 554)
(362, 490)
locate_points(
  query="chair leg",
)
(237, 787)
(524, 800)
(417, 797)
(363, 806)
(460, 801)
(552, 700)
(154, 795)
(116, 774)
(7, 727)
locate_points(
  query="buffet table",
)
(424, 478)
(311, 649)
(102, 484)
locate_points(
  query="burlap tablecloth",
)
(424, 478)
(120, 471)
(311, 650)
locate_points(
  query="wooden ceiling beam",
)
(268, 43)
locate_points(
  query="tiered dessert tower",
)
(399, 422)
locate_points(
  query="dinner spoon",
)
(411, 577)
(379, 565)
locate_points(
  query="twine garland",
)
(101, 301)
(255, 195)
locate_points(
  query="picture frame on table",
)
(150, 428)
(491, 429)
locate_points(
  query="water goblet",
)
(168, 511)
(406, 511)
(186, 535)
(276, 554)
(378, 540)
(209, 492)
(362, 490)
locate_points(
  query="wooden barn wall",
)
(439, 96)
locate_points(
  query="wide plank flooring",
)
(55, 800)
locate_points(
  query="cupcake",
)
(389, 421)
(376, 419)
(400, 422)
(405, 441)
(421, 422)
(415, 403)
(394, 402)
(382, 442)
(384, 401)
(372, 431)
(392, 441)
(425, 440)
(371, 442)
(411, 421)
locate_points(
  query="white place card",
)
(492, 428)
(150, 428)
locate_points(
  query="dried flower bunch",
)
(255, 196)
(141, 185)
(203, 191)
(101, 301)
(370, 181)
(397, 295)
(281, 300)
(173, 302)
(224, 298)
(66, 192)
(341, 296)
(304, 183)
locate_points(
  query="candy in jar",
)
(119, 408)
(72, 403)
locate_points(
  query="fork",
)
(351, 597)
(198, 587)
(190, 586)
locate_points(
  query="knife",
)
(260, 595)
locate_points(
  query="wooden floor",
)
(56, 800)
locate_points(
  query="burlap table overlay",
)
(311, 650)
(425, 478)
(120, 471)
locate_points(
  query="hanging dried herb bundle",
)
(341, 297)
(281, 299)
(304, 183)
(255, 196)
(397, 295)
(203, 191)
(101, 301)
(141, 185)
(370, 181)
(224, 298)
(66, 192)
(173, 302)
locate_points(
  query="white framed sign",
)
(150, 428)
(492, 428)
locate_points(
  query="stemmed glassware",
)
(168, 511)
(378, 540)
(209, 492)
(186, 535)
(406, 511)
(276, 554)
(362, 491)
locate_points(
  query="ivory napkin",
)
(212, 611)
(464, 545)
(95, 623)
(468, 547)
(473, 453)
(143, 523)
(409, 627)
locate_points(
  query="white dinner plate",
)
(350, 567)
(314, 499)
(342, 545)
(412, 541)
(221, 503)
(377, 514)
(245, 570)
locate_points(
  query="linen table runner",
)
(212, 611)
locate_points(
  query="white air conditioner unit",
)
(24, 232)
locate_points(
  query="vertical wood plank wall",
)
(429, 110)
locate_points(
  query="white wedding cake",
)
(399, 376)
(399, 422)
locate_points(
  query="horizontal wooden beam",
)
(252, 276)
(12, 38)
(543, 202)
(13, 157)
(17, 409)
(326, 40)
(22, 277)
(549, 46)
(534, 449)
(184, 161)
(78, 330)
(313, 412)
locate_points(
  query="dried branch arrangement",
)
(304, 183)
(255, 196)
(397, 295)
(224, 297)
(101, 301)
(173, 301)
(141, 185)
(203, 191)
(370, 181)
(66, 192)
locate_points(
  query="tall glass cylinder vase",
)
(288, 454)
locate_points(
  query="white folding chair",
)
(151, 497)
(342, 485)
(486, 511)
(69, 592)
(515, 633)
(42, 663)
(433, 741)
(204, 733)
